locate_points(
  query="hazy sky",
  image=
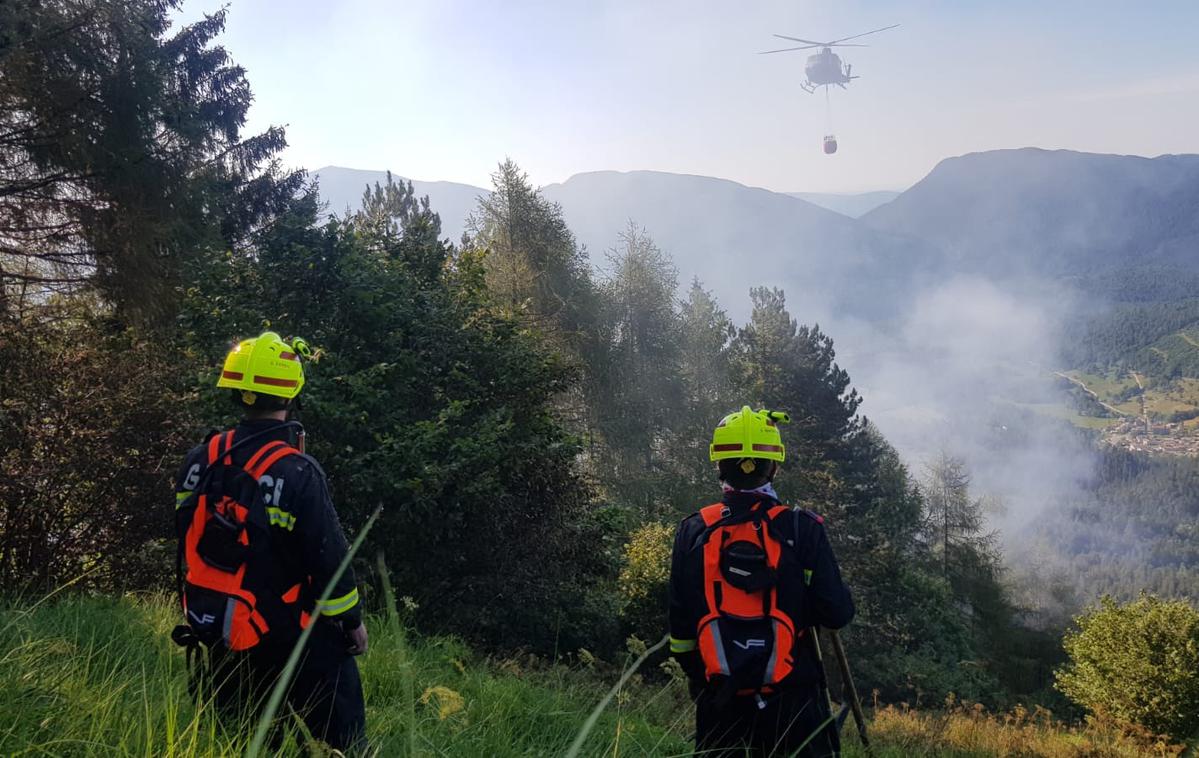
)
(444, 89)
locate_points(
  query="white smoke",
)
(968, 372)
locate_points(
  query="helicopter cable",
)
(828, 113)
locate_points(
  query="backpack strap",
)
(261, 453)
(220, 443)
(268, 455)
(217, 443)
(221, 446)
(719, 515)
(714, 513)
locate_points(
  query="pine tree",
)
(792, 367)
(429, 402)
(123, 152)
(534, 266)
(537, 273)
(636, 408)
(711, 389)
(955, 519)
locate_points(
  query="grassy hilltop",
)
(101, 677)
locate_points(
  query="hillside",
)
(1104, 229)
(733, 237)
(1052, 212)
(1103, 247)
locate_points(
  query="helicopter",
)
(825, 69)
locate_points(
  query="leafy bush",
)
(644, 578)
(647, 562)
(1137, 662)
(91, 419)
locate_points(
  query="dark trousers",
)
(776, 727)
(325, 691)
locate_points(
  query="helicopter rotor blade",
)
(863, 34)
(805, 41)
(788, 49)
(837, 44)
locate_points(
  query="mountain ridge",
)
(1052, 212)
(1091, 222)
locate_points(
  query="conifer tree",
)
(535, 268)
(638, 405)
(123, 149)
(793, 368)
(711, 388)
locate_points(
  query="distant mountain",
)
(1115, 229)
(1057, 213)
(342, 188)
(730, 236)
(852, 205)
(733, 237)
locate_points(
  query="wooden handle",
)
(851, 691)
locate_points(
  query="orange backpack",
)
(746, 641)
(232, 593)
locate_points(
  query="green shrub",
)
(647, 562)
(90, 418)
(1137, 662)
(644, 576)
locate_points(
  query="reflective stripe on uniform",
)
(181, 498)
(281, 518)
(807, 577)
(681, 646)
(336, 605)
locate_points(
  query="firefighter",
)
(259, 541)
(749, 579)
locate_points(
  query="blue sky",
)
(444, 89)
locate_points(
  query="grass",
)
(1106, 386)
(99, 676)
(1162, 398)
(1059, 411)
(969, 730)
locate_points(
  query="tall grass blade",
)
(589, 724)
(267, 717)
(393, 623)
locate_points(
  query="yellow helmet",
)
(267, 365)
(749, 434)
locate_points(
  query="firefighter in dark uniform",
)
(305, 545)
(731, 718)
